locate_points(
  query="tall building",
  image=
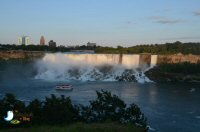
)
(52, 43)
(24, 40)
(42, 40)
(91, 44)
(20, 40)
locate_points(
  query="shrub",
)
(110, 107)
(54, 111)
(10, 103)
(60, 110)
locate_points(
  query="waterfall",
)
(131, 61)
(154, 59)
(128, 61)
(94, 59)
(90, 67)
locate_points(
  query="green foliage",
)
(9, 103)
(168, 48)
(108, 107)
(32, 47)
(134, 115)
(35, 107)
(60, 110)
(184, 68)
(105, 107)
(180, 72)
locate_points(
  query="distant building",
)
(24, 40)
(91, 44)
(42, 40)
(52, 43)
(20, 40)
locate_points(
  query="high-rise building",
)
(91, 44)
(52, 43)
(42, 40)
(20, 40)
(24, 40)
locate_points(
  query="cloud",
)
(183, 38)
(163, 10)
(197, 13)
(165, 20)
(168, 21)
(130, 22)
(157, 17)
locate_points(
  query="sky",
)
(105, 22)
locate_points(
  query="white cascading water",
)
(154, 59)
(90, 67)
(131, 61)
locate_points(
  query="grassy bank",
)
(81, 127)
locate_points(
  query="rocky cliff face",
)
(172, 68)
(145, 59)
(178, 58)
(157, 75)
(30, 55)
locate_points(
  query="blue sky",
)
(106, 22)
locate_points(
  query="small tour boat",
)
(64, 87)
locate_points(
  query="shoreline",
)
(157, 74)
(21, 55)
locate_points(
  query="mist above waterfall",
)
(90, 67)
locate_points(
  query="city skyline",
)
(24, 40)
(111, 23)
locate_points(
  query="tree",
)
(58, 110)
(35, 108)
(108, 107)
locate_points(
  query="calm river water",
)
(168, 106)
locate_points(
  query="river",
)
(168, 106)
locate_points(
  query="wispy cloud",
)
(183, 38)
(130, 22)
(165, 20)
(197, 13)
(163, 10)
